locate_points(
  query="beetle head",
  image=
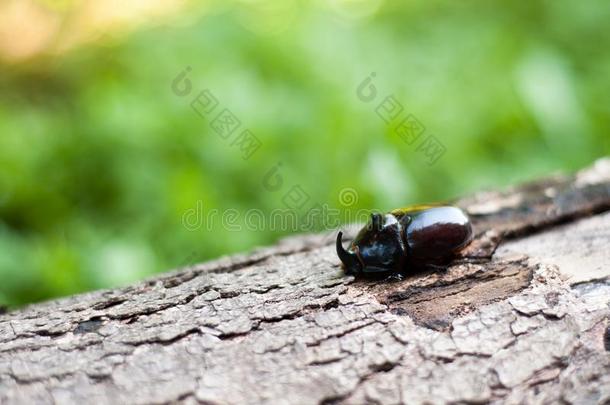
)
(377, 248)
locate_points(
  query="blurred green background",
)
(100, 160)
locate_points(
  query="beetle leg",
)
(436, 267)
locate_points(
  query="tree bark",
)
(520, 317)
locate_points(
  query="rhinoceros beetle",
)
(406, 240)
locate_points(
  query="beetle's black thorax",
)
(379, 246)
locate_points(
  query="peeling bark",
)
(521, 316)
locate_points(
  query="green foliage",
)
(100, 160)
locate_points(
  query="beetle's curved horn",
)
(349, 259)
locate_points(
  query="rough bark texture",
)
(520, 317)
